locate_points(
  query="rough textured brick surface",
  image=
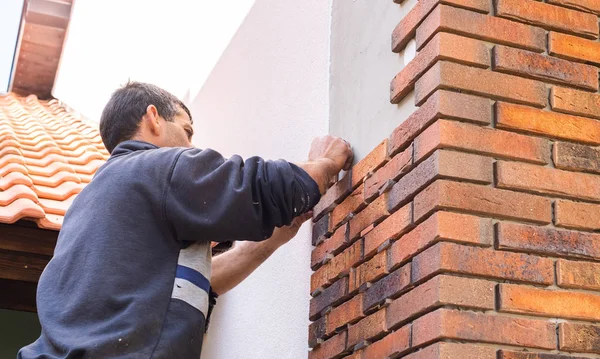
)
(547, 123)
(330, 296)
(368, 328)
(387, 174)
(548, 303)
(577, 215)
(375, 159)
(545, 240)
(497, 143)
(481, 26)
(369, 271)
(582, 338)
(504, 354)
(575, 157)
(445, 350)
(334, 195)
(575, 102)
(549, 16)
(545, 68)
(353, 203)
(321, 229)
(390, 286)
(392, 227)
(316, 331)
(574, 48)
(330, 348)
(373, 213)
(480, 82)
(330, 247)
(485, 328)
(583, 5)
(580, 275)
(348, 312)
(394, 343)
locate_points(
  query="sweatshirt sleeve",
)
(211, 198)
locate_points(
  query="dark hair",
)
(122, 114)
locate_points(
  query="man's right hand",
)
(328, 155)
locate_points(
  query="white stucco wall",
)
(267, 95)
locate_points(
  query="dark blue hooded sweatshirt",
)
(130, 276)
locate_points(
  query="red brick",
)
(392, 344)
(333, 196)
(321, 229)
(503, 354)
(523, 176)
(442, 226)
(373, 214)
(583, 5)
(488, 141)
(578, 275)
(582, 338)
(574, 48)
(329, 247)
(388, 287)
(549, 16)
(482, 200)
(330, 348)
(574, 157)
(352, 204)
(340, 265)
(480, 82)
(442, 290)
(375, 159)
(545, 68)
(453, 258)
(575, 102)
(316, 331)
(548, 241)
(348, 312)
(489, 28)
(443, 46)
(548, 303)
(577, 215)
(386, 175)
(391, 228)
(367, 329)
(445, 350)
(369, 271)
(332, 295)
(485, 328)
(407, 28)
(441, 164)
(547, 123)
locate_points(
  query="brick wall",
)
(471, 232)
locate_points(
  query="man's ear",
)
(151, 120)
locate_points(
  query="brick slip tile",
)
(375, 159)
(445, 350)
(523, 176)
(453, 258)
(333, 196)
(480, 82)
(578, 275)
(575, 102)
(441, 164)
(583, 5)
(340, 265)
(549, 16)
(331, 348)
(321, 229)
(368, 328)
(316, 331)
(575, 157)
(545, 68)
(485, 328)
(484, 200)
(345, 313)
(330, 246)
(352, 204)
(488, 141)
(574, 48)
(392, 344)
(391, 228)
(369, 271)
(374, 213)
(442, 226)
(390, 286)
(582, 338)
(330, 296)
(548, 241)
(386, 175)
(577, 215)
(480, 26)
(503, 354)
(547, 123)
(443, 46)
(319, 279)
(442, 290)
(407, 28)
(548, 303)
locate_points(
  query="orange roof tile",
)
(47, 155)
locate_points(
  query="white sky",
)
(10, 16)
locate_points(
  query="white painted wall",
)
(267, 95)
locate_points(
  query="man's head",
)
(145, 112)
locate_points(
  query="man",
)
(131, 272)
